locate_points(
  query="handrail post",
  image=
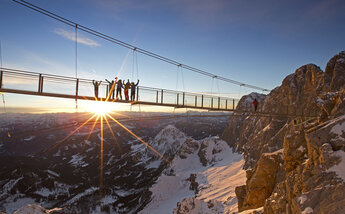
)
(202, 101)
(39, 82)
(1, 77)
(226, 104)
(137, 93)
(211, 102)
(162, 97)
(233, 104)
(157, 96)
(196, 100)
(177, 98)
(76, 89)
(218, 102)
(183, 99)
(107, 91)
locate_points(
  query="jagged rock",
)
(295, 147)
(193, 205)
(310, 176)
(260, 182)
(335, 70)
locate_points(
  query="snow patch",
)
(301, 199)
(217, 182)
(339, 130)
(53, 173)
(339, 168)
(307, 210)
(77, 160)
(29, 138)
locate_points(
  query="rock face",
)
(295, 163)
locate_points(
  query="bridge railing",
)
(83, 88)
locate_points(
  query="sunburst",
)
(102, 110)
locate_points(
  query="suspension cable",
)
(76, 61)
(129, 46)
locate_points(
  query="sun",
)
(99, 107)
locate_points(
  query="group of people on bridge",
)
(119, 85)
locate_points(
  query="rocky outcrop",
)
(260, 182)
(292, 158)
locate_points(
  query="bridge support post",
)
(76, 89)
(1, 77)
(202, 101)
(233, 104)
(137, 93)
(107, 91)
(226, 104)
(157, 96)
(211, 102)
(183, 99)
(39, 83)
(177, 96)
(218, 102)
(162, 97)
(196, 100)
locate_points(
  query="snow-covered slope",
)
(202, 175)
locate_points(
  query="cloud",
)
(71, 36)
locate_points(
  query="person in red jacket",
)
(255, 103)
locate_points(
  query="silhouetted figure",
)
(96, 85)
(127, 87)
(255, 103)
(119, 87)
(111, 88)
(133, 87)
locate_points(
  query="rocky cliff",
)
(295, 151)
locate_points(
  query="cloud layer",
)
(71, 36)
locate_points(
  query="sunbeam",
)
(61, 141)
(101, 164)
(112, 133)
(147, 145)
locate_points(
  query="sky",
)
(255, 42)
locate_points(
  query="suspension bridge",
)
(41, 84)
(30, 83)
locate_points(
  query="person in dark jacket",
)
(133, 87)
(111, 88)
(255, 103)
(96, 84)
(119, 87)
(127, 87)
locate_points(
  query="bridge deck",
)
(30, 83)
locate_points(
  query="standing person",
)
(111, 88)
(255, 103)
(96, 85)
(133, 87)
(127, 87)
(119, 86)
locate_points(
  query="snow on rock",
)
(307, 210)
(29, 138)
(168, 141)
(339, 168)
(251, 211)
(31, 209)
(77, 161)
(34, 209)
(339, 130)
(53, 173)
(201, 171)
(301, 199)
